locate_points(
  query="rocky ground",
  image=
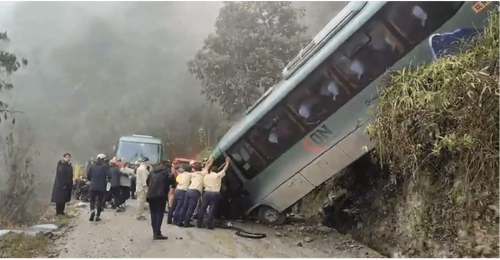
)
(120, 235)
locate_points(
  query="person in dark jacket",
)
(107, 194)
(115, 190)
(63, 184)
(98, 175)
(159, 183)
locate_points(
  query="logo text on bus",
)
(313, 142)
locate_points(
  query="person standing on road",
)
(159, 182)
(63, 184)
(212, 183)
(133, 183)
(174, 169)
(193, 193)
(126, 182)
(98, 175)
(115, 190)
(183, 181)
(142, 187)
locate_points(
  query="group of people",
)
(193, 183)
(196, 187)
(110, 178)
(108, 181)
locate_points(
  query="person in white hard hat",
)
(98, 175)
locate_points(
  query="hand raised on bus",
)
(228, 160)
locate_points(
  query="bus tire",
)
(268, 215)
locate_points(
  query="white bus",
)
(311, 125)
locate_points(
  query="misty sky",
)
(100, 70)
(95, 58)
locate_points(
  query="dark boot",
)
(160, 237)
(92, 215)
(188, 224)
(210, 225)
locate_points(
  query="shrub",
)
(437, 127)
(17, 192)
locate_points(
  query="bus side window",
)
(373, 59)
(417, 20)
(318, 97)
(246, 159)
(275, 133)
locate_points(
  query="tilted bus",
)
(311, 125)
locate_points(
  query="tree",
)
(252, 44)
(16, 190)
(9, 63)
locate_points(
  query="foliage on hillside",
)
(437, 128)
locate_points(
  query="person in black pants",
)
(158, 182)
(98, 175)
(132, 187)
(63, 184)
(115, 190)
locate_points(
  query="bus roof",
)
(141, 139)
(280, 90)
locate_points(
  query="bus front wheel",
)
(268, 215)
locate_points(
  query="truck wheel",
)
(271, 216)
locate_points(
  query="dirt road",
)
(120, 235)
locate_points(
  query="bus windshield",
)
(133, 151)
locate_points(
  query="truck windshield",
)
(132, 151)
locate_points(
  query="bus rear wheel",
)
(268, 215)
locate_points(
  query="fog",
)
(100, 70)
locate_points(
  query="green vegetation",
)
(23, 246)
(252, 44)
(437, 129)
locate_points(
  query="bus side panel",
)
(279, 172)
(357, 143)
(327, 165)
(288, 193)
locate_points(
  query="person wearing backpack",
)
(159, 182)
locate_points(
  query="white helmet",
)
(101, 156)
